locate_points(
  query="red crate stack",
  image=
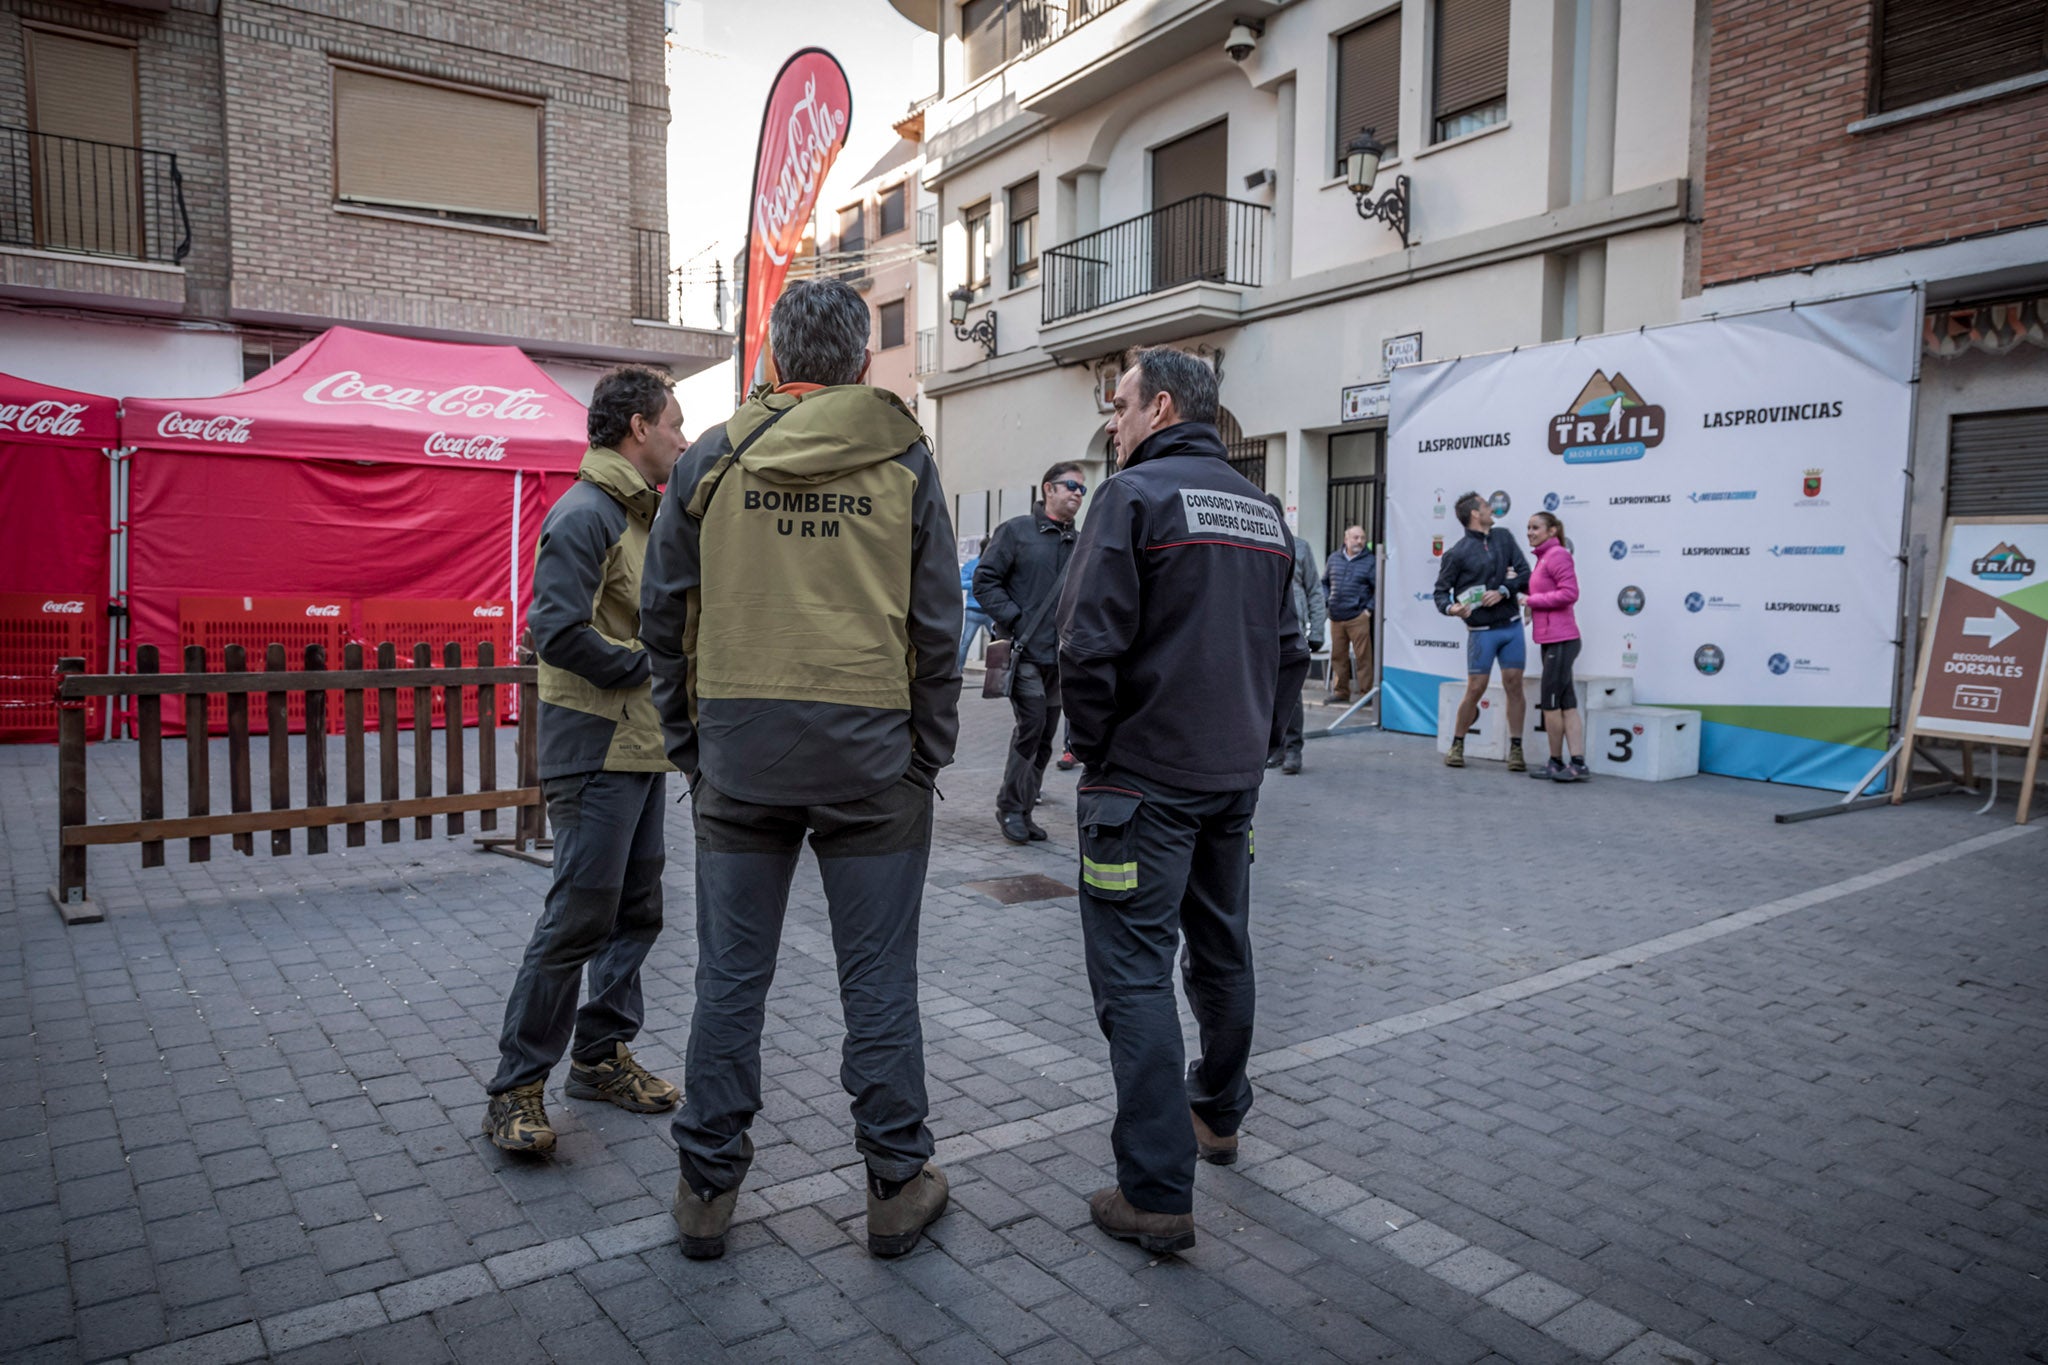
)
(255, 623)
(404, 621)
(36, 630)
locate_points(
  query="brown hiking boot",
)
(517, 1121)
(1456, 757)
(1217, 1151)
(894, 1223)
(701, 1223)
(1158, 1233)
(621, 1081)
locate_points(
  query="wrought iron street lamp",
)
(1362, 166)
(983, 331)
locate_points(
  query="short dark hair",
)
(1188, 381)
(1467, 505)
(621, 393)
(819, 329)
(1064, 467)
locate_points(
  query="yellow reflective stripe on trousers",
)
(1109, 876)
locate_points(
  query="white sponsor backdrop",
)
(1734, 490)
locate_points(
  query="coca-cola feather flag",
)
(809, 109)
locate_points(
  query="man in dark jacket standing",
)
(1350, 579)
(1018, 584)
(1177, 641)
(802, 609)
(602, 772)
(1306, 591)
(1477, 580)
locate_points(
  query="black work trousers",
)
(1290, 741)
(604, 910)
(1161, 865)
(871, 856)
(1035, 701)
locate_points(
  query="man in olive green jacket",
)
(802, 610)
(602, 772)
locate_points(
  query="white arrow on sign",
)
(1993, 628)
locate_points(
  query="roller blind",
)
(1023, 199)
(83, 89)
(413, 145)
(1471, 54)
(1998, 464)
(1930, 48)
(1369, 83)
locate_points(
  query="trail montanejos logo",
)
(2004, 564)
(1608, 421)
(1708, 659)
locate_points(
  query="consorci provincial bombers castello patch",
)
(1232, 516)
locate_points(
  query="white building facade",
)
(1108, 177)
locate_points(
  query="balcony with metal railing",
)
(1176, 271)
(72, 196)
(927, 351)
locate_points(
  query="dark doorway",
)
(1356, 489)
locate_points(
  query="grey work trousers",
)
(872, 855)
(1160, 864)
(1035, 701)
(604, 910)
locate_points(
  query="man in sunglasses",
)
(1018, 584)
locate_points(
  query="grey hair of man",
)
(1188, 381)
(819, 329)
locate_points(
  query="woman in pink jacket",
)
(1553, 587)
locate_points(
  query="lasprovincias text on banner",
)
(809, 109)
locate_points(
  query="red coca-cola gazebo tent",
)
(55, 520)
(367, 487)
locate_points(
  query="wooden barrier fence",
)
(272, 687)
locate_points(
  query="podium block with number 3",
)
(1647, 743)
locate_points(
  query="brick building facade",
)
(248, 95)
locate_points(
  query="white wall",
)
(124, 360)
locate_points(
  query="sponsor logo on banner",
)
(1437, 644)
(1809, 491)
(228, 431)
(1425, 597)
(348, 388)
(1695, 602)
(1779, 663)
(1709, 659)
(2005, 564)
(69, 608)
(1485, 440)
(45, 418)
(1622, 549)
(1791, 412)
(1553, 501)
(1725, 495)
(1631, 600)
(803, 129)
(1234, 515)
(1721, 550)
(1609, 421)
(1699, 601)
(1436, 547)
(331, 610)
(1783, 550)
(487, 612)
(1637, 499)
(459, 447)
(1500, 502)
(1437, 512)
(1629, 656)
(1828, 607)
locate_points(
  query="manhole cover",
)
(1017, 890)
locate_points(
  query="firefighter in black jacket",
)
(1477, 580)
(1177, 640)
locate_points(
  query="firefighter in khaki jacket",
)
(602, 772)
(801, 606)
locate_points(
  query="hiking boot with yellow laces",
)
(621, 1081)
(517, 1121)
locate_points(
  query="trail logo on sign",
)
(1708, 659)
(1630, 600)
(1609, 421)
(2005, 564)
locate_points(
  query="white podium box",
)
(1595, 694)
(1488, 737)
(1648, 743)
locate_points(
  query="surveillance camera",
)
(1243, 40)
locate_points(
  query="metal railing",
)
(1204, 237)
(654, 295)
(1044, 22)
(928, 225)
(95, 198)
(928, 350)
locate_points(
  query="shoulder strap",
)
(700, 501)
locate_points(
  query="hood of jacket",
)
(1182, 438)
(822, 435)
(615, 474)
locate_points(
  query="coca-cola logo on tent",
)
(46, 418)
(316, 610)
(491, 611)
(486, 402)
(65, 608)
(231, 431)
(459, 447)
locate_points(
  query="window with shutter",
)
(87, 170)
(1470, 90)
(889, 319)
(985, 29)
(1998, 464)
(1023, 232)
(1369, 84)
(980, 247)
(890, 211)
(429, 147)
(1929, 48)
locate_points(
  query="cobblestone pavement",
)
(1610, 1072)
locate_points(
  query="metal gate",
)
(1353, 502)
(1247, 457)
(1998, 464)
